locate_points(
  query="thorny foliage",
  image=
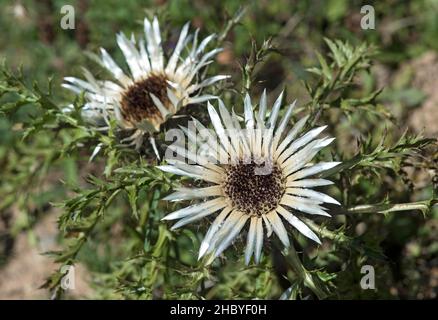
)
(117, 208)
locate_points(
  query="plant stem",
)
(385, 208)
(305, 277)
(423, 206)
(230, 25)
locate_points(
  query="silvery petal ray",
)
(151, 90)
(264, 177)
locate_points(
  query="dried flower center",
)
(137, 104)
(254, 189)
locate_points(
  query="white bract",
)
(155, 89)
(265, 181)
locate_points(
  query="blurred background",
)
(406, 66)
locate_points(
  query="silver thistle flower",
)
(154, 90)
(241, 189)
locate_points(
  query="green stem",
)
(306, 277)
(423, 206)
(230, 25)
(368, 208)
(385, 208)
(326, 233)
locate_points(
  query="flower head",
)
(154, 90)
(260, 174)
